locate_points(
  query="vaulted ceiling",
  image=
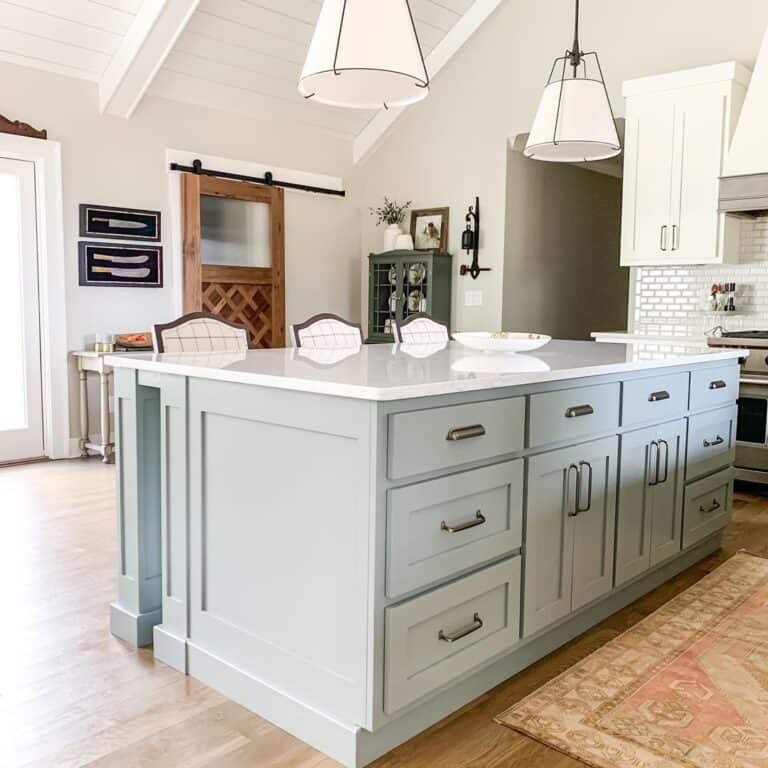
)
(240, 56)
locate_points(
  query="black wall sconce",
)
(470, 241)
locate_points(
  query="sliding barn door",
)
(234, 254)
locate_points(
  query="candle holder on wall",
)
(470, 242)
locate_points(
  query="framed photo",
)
(429, 229)
(111, 264)
(119, 223)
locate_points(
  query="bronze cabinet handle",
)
(712, 443)
(713, 508)
(465, 433)
(459, 527)
(572, 467)
(655, 397)
(666, 462)
(579, 508)
(719, 384)
(477, 623)
(655, 464)
(579, 410)
(663, 243)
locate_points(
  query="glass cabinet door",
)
(416, 279)
(385, 297)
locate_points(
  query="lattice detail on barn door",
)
(248, 305)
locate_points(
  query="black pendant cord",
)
(575, 52)
(267, 179)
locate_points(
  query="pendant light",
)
(365, 54)
(574, 122)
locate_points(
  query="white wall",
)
(452, 146)
(111, 161)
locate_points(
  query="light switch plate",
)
(473, 298)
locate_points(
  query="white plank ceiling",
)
(241, 56)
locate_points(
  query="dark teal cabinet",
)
(402, 283)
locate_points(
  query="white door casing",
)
(21, 405)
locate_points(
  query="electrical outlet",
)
(473, 298)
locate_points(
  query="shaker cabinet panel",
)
(678, 128)
(649, 519)
(648, 170)
(570, 519)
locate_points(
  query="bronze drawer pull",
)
(655, 397)
(579, 410)
(477, 623)
(459, 527)
(719, 384)
(465, 433)
(711, 444)
(715, 506)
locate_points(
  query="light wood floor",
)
(72, 695)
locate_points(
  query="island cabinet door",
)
(595, 522)
(569, 530)
(667, 520)
(649, 520)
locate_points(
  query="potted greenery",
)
(392, 214)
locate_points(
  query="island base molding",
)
(356, 747)
(134, 628)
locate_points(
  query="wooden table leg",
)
(106, 445)
(84, 439)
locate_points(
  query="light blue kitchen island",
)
(356, 544)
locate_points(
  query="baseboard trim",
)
(320, 731)
(135, 629)
(169, 648)
(355, 747)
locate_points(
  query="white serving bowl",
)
(486, 341)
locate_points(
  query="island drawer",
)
(439, 438)
(570, 414)
(437, 637)
(711, 442)
(708, 504)
(711, 387)
(654, 399)
(441, 527)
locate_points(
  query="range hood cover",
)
(744, 194)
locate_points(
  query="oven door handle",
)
(747, 380)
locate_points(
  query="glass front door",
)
(21, 411)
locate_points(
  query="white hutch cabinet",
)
(678, 129)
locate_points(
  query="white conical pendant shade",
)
(573, 125)
(364, 54)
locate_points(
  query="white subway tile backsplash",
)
(676, 301)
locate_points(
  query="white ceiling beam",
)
(145, 47)
(464, 28)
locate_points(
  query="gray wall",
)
(561, 250)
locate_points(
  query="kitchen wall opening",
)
(561, 247)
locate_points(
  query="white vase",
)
(391, 234)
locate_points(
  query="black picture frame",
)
(97, 263)
(100, 221)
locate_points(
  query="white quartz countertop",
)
(389, 372)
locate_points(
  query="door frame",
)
(54, 362)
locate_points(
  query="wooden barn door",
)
(234, 254)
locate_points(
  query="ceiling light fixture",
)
(574, 122)
(365, 54)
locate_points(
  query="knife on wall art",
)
(134, 274)
(119, 223)
(121, 259)
(120, 264)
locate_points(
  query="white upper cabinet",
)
(678, 128)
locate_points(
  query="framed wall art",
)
(429, 229)
(111, 264)
(119, 223)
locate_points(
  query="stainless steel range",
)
(752, 427)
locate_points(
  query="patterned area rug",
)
(687, 687)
